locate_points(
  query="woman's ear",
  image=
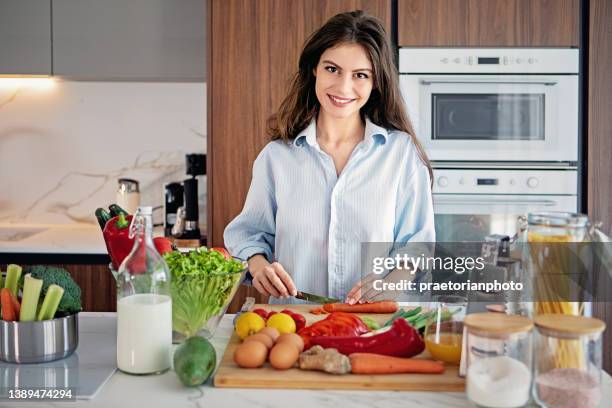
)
(314, 71)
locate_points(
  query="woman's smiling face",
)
(344, 80)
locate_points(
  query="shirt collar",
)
(373, 132)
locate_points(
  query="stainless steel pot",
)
(40, 341)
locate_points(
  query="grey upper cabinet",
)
(25, 37)
(136, 40)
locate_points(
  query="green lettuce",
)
(202, 284)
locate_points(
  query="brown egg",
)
(262, 338)
(292, 338)
(271, 332)
(251, 354)
(283, 356)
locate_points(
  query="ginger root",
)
(328, 360)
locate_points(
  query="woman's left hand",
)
(364, 291)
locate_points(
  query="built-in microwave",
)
(509, 105)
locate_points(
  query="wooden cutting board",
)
(229, 375)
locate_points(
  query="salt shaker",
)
(128, 195)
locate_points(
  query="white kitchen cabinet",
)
(25, 37)
(135, 40)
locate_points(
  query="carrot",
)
(317, 311)
(370, 363)
(8, 312)
(16, 305)
(374, 307)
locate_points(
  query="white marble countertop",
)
(77, 239)
(52, 239)
(165, 390)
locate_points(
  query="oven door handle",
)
(471, 81)
(546, 203)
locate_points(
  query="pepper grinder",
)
(196, 166)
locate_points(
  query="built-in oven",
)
(471, 203)
(501, 128)
(510, 105)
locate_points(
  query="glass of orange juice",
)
(444, 332)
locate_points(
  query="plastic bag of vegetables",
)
(203, 283)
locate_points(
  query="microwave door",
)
(483, 118)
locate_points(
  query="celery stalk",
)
(29, 300)
(13, 273)
(52, 299)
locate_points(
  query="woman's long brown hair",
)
(385, 107)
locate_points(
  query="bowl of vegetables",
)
(39, 314)
(203, 283)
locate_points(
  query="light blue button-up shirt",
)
(301, 214)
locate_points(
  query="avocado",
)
(194, 361)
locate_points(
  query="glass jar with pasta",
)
(552, 256)
(568, 357)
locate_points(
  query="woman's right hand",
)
(271, 279)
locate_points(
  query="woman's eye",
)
(361, 75)
(331, 69)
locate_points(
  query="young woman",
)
(343, 167)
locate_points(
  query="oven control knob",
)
(442, 181)
(457, 60)
(532, 182)
(531, 60)
(444, 60)
(518, 60)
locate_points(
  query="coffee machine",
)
(181, 209)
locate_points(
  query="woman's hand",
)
(271, 279)
(364, 291)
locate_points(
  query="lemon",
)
(249, 323)
(282, 322)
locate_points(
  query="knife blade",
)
(315, 298)
(309, 297)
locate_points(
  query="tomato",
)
(162, 244)
(300, 321)
(222, 251)
(261, 312)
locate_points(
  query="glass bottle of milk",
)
(144, 305)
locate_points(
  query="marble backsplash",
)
(63, 147)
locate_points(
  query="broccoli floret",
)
(71, 300)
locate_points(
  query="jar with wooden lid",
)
(568, 354)
(553, 241)
(499, 360)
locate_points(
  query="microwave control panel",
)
(489, 60)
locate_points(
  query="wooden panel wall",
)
(488, 23)
(599, 139)
(253, 51)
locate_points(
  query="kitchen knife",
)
(315, 298)
(309, 297)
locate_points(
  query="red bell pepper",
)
(336, 324)
(119, 244)
(402, 340)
